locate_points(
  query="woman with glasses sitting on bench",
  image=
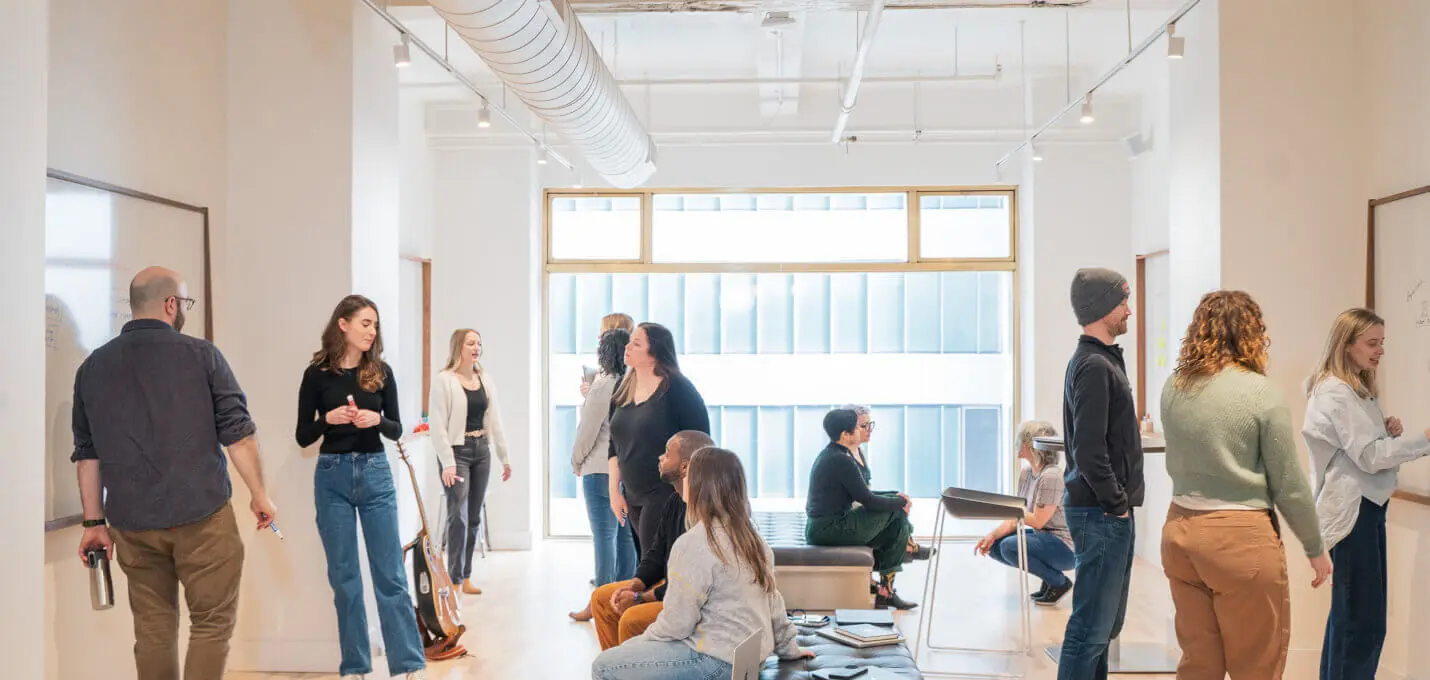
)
(721, 588)
(1050, 550)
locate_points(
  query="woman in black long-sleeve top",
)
(837, 482)
(654, 402)
(349, 400)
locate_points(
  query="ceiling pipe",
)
(540, 52)
(809, 80)
(1073, 104)
(851, 91)
(413, 41)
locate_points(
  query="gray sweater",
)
(712, 606)
(1229, 438)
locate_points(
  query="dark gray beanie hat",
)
(1095, 293)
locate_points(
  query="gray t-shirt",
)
(1046, 488)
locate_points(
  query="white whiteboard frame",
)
(1370, 288)
(59, 523)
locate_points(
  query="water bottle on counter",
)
(101, 584)
(1147, 426)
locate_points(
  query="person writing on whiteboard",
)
(153, 411)
(1356, 452)
(348, 399)
(468, 429)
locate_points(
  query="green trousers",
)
(886, 532)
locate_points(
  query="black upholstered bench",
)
(815, 578)
(893, 659)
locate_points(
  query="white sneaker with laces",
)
(416, 675)
(353, 677)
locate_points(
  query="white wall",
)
(1393, 53)
(112, 67)
(23, 46)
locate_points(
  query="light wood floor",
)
(518, 627)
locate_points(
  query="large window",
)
(786, 304)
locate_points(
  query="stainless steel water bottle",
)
(101, 584)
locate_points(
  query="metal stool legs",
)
(926, 610)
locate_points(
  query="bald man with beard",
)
(153, 411)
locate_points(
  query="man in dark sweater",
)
(1104, 473)
(623, 609)
(880, 521)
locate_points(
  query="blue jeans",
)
(1355, 628)
(615, 548)
(640, 659)
(347, 487)
(1103, 547)
(1048, 556)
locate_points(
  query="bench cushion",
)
(894, 659)
(784, 531)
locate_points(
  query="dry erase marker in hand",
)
(351, 402)
(274, 527)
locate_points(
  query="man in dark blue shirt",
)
(152, 410)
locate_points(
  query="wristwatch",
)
(91, 523)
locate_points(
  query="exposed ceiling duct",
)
(754, 6)
(540, 52)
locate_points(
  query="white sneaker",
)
(416, 675)
(353, 677)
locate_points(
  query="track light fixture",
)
(402, 53)
(1087, 118)
(484, 117)
(540, 155)
(1037, 153)
(1176, 45)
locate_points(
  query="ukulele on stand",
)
(438, 620)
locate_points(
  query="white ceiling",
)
(822, 44)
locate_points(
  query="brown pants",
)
(1227, 571)
(613, 629)
(207, 557)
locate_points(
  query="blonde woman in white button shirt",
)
(466, 430)
(1356, 452)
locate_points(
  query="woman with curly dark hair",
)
(614, 545)
(1231, 453)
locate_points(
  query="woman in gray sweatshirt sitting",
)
(720, 588)
(1231, 454)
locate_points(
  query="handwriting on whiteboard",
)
(1410, 296)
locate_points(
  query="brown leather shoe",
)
(470, 588)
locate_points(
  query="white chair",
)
(748, 659)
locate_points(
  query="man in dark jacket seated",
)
(624, 609)
(843, 511)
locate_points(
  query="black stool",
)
(971, 504)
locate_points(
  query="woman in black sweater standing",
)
(654, 402)
(349, 400)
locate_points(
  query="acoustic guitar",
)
(438, 619)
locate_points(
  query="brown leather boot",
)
(470, 588)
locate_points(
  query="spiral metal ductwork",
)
(539, 50)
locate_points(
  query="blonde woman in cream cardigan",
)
(466, 430)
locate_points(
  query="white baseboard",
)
(510, 540)
(284, 656)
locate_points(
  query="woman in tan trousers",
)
(1231, 453)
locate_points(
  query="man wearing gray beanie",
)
(1104, 474)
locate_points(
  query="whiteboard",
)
(97, 237)
(1402, 298)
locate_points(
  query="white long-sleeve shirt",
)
(1352, 455)
(713, 606)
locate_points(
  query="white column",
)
(486, 275)
(289, 256)
(24, 45)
